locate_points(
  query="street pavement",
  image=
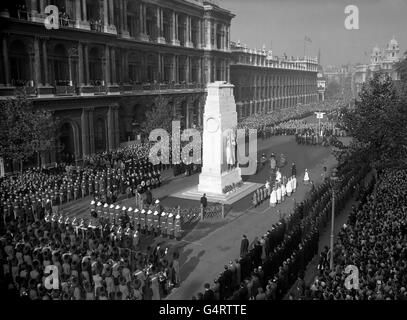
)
(213, 243)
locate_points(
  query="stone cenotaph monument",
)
(219, 141)
(220, 178)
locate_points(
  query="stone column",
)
(199, 33)
(111, 13)
(33, 7)
(110, 128)
(37, 63)
(86, 51)
(215, 30)
(84, 12)
(6, 62)
(105, 15)
(174, 34)
(42, 6)
(91, 118)
(107, 66)
(78, 12)
(85, 132)
(113, 65)
(45, 62)
(208, 43)
(187, 101)
(188, 32)
(160, 25)
(141, 18)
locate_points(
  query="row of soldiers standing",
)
(35, 192)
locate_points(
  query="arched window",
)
(19, 64)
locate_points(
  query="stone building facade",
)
(264, 82)
(111, 60)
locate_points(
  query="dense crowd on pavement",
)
(270, 266)
(374, 239)
(104, 177)
(264, 123)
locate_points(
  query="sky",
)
(283, 25)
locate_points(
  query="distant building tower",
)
(376, 55)
(392, 50)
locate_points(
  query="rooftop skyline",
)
(283, 25)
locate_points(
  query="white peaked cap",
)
(130, 209)
(136, 210)
(105, 205)
(177, 216)
(99, 203)
(92, 202)
(143, 211)
(124, 208)
(163, 214)
(155, 212)
(117, 207)
(157, 201)
(112, 206)
(170, 215)
(149, 212)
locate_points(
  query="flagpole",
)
(304, 47)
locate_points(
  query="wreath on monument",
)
(232, 187)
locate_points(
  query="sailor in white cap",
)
(143, 220)
(117, 211)
(177, 226)
(170, 225)
(149, 221)
(163, 224)
(136, 219)
(156, 223)
(92, 205)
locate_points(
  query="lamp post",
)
(334, 179)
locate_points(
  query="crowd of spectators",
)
(374, 240)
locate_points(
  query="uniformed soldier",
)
(163, 224)
(170, 225)
(177, 226)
